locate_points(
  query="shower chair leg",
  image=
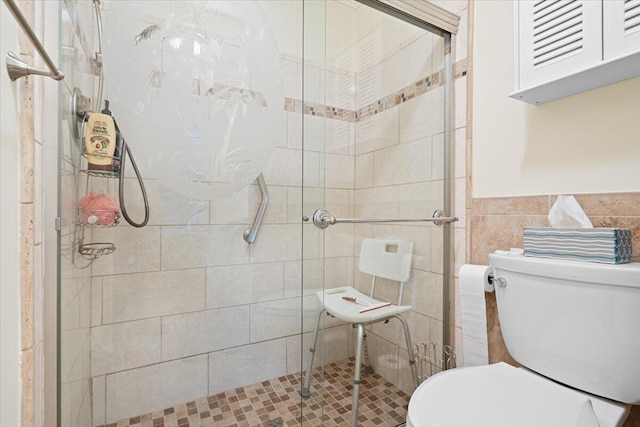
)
(412, 361)
(304, 391)
(356, 377)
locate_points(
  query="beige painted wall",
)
(587, 143)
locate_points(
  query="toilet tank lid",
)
(499, 395)
(627, 275)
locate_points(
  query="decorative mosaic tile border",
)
(387, 102)
(277, 402)
(313, 109)
(405, 94)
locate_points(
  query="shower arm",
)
(250, 234)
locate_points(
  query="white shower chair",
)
(388, 259)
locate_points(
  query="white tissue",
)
(473, 281)
(567, 213)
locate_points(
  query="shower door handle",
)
(322, 219)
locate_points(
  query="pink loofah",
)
(98, 209)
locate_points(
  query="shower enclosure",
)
(338, 105)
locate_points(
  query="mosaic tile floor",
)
(276, 403)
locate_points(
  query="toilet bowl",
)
(573, 327)
(500, 395)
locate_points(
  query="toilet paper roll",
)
(473, 281)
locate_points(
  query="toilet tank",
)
(575, 322)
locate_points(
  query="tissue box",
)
(604, 245)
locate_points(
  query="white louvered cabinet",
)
(622, 24)
(564, 47)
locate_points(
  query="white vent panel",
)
(631, 16)
(621, 19)
(558, 27)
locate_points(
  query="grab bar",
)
(250, 234)
(322, 219)
(16, 67)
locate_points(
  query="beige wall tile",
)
(384, 358)
(137, 250)
(299, 280)
(402, 164)
(277, 319)
(408, 65)
(203, 246)
(420, 200)
(277, 243)
(98, 392)
(338, 241)
(424, 290)
(96, 301)
(462, 36)
(76, 403)
(460, 91)
(377, 131)
(124, 346)
(339, 89)
(236, 208)
(338, 202)
(421, 116)
(204, 331)
(377, 202)
(246, 364)
(364, 171)
(339, 171)
(505, 232)
(166, 206)
(314, 173)
(437, 157)
(332, 346)
(131, 393)
(284, 168)
(244, 284)
(527, 205)
(139, 296)
(460, 152)
(338, 137)
(75, 355)
(608, 205)
(242, 206)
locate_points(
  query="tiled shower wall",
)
(185, 295)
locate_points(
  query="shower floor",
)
(276, 403)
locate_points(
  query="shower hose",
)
(123, 209)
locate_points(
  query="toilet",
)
(573, 326)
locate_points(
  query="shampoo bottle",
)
(117, 153)
(100, 141)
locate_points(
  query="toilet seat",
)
(501, 395)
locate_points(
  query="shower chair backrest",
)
(389, 259)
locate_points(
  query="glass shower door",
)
(186, 319)
(378, 135)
